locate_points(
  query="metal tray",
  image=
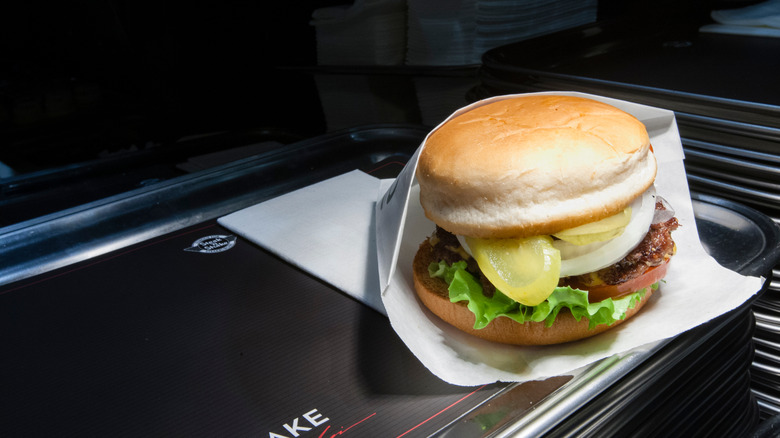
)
(110, 327)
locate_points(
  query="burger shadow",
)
(388, 367)
(385, 363)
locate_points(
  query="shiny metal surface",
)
(582, 389)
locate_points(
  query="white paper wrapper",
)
(696, 288)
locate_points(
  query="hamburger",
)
(548, 227)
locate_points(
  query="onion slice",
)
(577, 260)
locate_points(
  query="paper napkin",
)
(325, 229)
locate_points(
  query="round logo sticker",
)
(212, 244)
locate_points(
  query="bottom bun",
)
(434, 295)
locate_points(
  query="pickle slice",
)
(599, 231)
(525, 270)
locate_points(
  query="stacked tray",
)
(727, 104)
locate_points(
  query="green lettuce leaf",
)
(464, 287)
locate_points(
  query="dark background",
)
(151, 71)
(84, 80)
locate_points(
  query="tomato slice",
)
(603, 291)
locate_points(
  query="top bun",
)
(533, 165)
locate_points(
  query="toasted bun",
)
(533, 165)
(434, 295)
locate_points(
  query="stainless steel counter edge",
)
(587, 383)
(49, 242)
(60, 239)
